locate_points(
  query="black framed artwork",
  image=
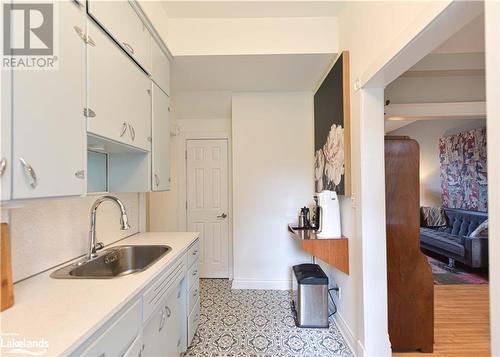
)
(332, 139)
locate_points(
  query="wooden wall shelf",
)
(334, 251)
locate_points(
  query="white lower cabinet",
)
(163, 334)
(193, 288)
(161, 321)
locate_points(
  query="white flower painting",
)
(331, 130)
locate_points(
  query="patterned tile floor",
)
(257, 323)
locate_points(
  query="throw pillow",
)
(432, 217)
(480, 231)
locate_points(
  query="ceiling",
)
(295, 72)
(469, 39)
(251, 9)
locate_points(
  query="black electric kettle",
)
(304, 217)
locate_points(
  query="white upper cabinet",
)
(161, 140)
(160, 69)
(121, 21)
(48, 126)
(119, 94)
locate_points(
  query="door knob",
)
(222, 216)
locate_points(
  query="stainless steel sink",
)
(114, 262)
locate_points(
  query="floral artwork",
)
(331, 131)
(464, 181)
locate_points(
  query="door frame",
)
(182, 179)
(370, 88)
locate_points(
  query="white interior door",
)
(207, 203)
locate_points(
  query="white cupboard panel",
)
(122, 22)
(119, 94)
(48, 122)
(160, 69)
(161, 140)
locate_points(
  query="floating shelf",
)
(334, 251)
(421, 111)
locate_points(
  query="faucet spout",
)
(93, 245)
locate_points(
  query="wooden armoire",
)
(409, 275)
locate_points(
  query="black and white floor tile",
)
(257, 323)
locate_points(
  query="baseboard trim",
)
(348, 335)
(262, 284)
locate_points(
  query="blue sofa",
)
(453, 241)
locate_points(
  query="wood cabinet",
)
(161, 141)
(121, 21)
(119, 94)
(48, 157)
(409, 275)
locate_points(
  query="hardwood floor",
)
(461, 322)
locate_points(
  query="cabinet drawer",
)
(115, 340)
(118, 94)
(121, 21)
(194, 252)
(162, 287)
(193, 321)
(193, 275)
(193, 295)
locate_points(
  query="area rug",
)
(461, 275)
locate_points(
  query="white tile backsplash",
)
(46, 233)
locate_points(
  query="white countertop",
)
(65, 312)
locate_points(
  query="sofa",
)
(453, 238)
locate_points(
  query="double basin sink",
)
(114, 262)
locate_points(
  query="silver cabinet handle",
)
(3, 165)
(195, 252)
(195, 272)
(222, 216)
(162, 321)
(168, 311)
(128, 47)
(157, 180)
(132, 132)
(85, 38)
(195, 293)
(124, 129)
(31, 172)
(178, 342)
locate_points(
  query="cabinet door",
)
(161, 140)
(122, 22)
(118, 94)
(160, 69)
(49, 142)
(5, 132)
(162, 336)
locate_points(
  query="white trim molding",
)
(354, 344)
(262, 284)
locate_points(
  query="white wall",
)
(272, 179)
(247, 36)
(45, 233)
(427, 134)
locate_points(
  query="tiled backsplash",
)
(50, 232)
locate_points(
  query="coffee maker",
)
(327, 215)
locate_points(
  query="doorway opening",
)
(437, 199)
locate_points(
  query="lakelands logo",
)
(29, 36)
(11, 343)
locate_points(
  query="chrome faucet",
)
(94, 246)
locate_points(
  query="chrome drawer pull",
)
(195, 252)
(168, 311)
(124, 129)
(31, 172)
(157, 180)
(132, 132)
(3, 165)
(162, 320)
(195, 272)
(128, 47)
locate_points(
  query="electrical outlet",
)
(337, 291)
